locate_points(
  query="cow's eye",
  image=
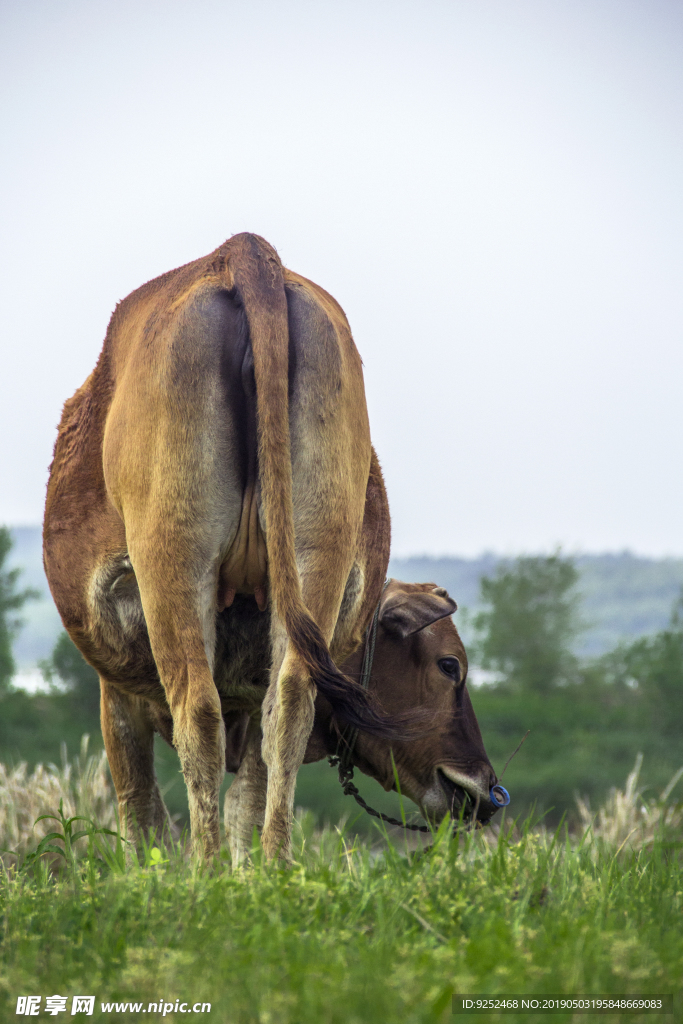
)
(451, 668)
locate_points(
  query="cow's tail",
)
(257, 278)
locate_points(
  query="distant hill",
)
(622, 596)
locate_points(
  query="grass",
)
(351, 933)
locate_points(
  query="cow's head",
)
(420, 665)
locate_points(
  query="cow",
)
(217, 529)
(419, 662)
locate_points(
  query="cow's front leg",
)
(245, 801)
(287, 720)
(128, 734)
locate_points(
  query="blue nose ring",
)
(499, 796)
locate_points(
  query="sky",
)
(490, 188)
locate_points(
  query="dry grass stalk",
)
(626, 818)
(83, 786)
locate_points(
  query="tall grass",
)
(82, 787)
(629, 817)
(352, 932)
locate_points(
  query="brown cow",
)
(419, 663)
(217, 463)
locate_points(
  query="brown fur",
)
(218, 458)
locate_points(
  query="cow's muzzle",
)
(457, 798)
(471, 796)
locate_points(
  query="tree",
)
(80, 681)
(10, 601)
(529, 622)
(653, 667)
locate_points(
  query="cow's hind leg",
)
(174, 469)
(288, 714)
(288, 708)
(330, 458)
(128, 733)
(180, 638)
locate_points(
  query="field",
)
(355, 931)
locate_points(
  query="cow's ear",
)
(406, 612)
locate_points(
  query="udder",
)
(245, 567)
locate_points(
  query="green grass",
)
(349, 935)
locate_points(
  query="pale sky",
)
(490, 188)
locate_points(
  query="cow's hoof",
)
(277, 846)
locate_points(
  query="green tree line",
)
(587, 719)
